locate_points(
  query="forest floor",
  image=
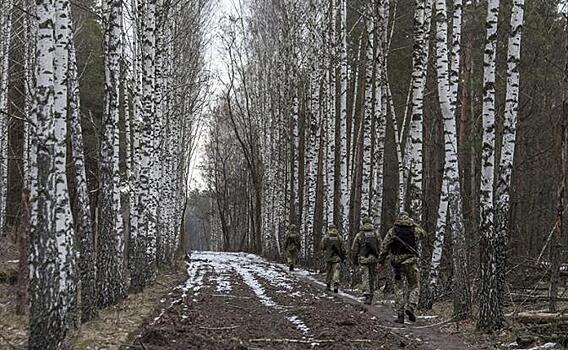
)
(241, 301)
(109, 331)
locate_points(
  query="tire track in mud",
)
(239, 301)
(205, 313)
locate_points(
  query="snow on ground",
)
(250, 268)
(256, 287)
(515, 345)
(223, 283)
(195, 273)
(194, 282)
(299, 324)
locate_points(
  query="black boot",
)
(410, 313)
(368, 299)
(335, 289)
(400, 318)
(328, 287)
(291, 267)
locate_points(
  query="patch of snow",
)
(426, 317)
(223, 283)
(257, 289)
(250, 268)
(195, 279)
(544, 346)
(300, 325)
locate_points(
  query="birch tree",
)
(110, 244)
(6, 27)
(413, 158)
(379, 115)
(450, 200)
(52, 283)
(490, 303)
(83, 222)
(368, 116)
(505, 170)
(343, 151)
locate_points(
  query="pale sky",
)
(217, 67)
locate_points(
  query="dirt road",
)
(241, 301)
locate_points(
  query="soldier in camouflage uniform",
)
(292, 246)
(334, 254)
(401, 243)
(365, 252)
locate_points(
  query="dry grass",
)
(108, 331)
(114, 324)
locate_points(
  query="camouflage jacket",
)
(365, 247)
(292, 241)
(390, 237)
(332, 247)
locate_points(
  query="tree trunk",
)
(83, 222)
(557, 243)
(502, 194)
(22, 303)
(110, 240)
(447, 94)
(490, 302)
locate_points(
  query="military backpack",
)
(404, 241)
(333, 248)
(369, 244)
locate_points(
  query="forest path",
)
(241, 301)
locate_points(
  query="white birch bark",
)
(490, 310)
(367, 117)
(6, 27)
(344, 152)
(63, 218)
(451, 164)
(502, 194)
(146, 234)
(379, 118)
(136, 123)
(413, 156)
(52, 283)
(110, 253)
(45, 322)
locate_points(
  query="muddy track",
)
(240, 301)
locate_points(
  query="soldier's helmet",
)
(404, 219)
(366, 220)
(332, 230)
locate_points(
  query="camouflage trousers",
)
(406, 283)
(368, 278)
(333, 270)
(292, 257)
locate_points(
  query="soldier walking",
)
(334, 254)
(292, 246)
(365, 252)
(401, 243)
